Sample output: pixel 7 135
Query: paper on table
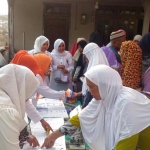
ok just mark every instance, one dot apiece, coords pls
pixel 40 134
pixel 51 108
pixel 45 102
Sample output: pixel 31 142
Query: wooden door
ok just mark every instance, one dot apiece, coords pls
pixel 105 28
pixel 128 25
pixel 113 18
pixel 56 23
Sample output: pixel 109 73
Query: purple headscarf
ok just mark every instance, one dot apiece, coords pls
pixel 110 57
pixel 146 81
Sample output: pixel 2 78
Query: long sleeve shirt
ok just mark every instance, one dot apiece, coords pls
pixel 47 92
pixel 32 112
pixel 67 61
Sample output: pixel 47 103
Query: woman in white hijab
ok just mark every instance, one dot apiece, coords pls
pixel 62 65
pixel 137 38
pixel 17 85
pixel 94 55
pixel 40 46
pixel 117 118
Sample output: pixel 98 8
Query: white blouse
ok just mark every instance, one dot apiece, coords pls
pixel 67 61
pixel 32 112
pixel 32 52
pixel 47 92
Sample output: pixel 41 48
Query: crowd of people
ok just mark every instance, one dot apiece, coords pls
pixel 111 82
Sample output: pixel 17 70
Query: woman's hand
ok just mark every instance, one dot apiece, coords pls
pixel 74 80
pixel 64 71
pixel 77 94
pixel 46 126
pixel 50 140
pixel 33 141
pixel 61 67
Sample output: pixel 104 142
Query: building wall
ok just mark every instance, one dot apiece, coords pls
pixel 28 21
pixel 77 29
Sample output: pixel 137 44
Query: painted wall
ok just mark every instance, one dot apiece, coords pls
pixel 28 19
pixel 77 29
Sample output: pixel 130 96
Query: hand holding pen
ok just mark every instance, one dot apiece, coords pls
pixel 46 126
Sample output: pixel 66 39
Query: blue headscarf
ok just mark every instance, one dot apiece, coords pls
pixel 145 46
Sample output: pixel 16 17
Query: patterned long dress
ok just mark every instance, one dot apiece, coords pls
pixel 131 71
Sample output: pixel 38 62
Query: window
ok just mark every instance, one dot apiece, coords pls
pixel 3 23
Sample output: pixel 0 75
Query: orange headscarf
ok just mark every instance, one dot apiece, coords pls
pixel 24 59
pixel 43 60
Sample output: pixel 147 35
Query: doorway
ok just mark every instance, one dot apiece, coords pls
pixel 113 18
pixel 56 23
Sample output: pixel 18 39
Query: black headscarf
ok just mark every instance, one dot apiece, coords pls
pixel 145 46
pixel 82 43
pixel 96 38
pixel 81 62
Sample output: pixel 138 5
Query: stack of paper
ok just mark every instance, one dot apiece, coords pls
pixel 51 108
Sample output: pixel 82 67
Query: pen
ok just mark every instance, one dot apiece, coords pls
pixel 47 131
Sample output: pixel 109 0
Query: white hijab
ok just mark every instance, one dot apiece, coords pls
pixel 17 84
pixel 56 45
pixel 96 56
pixel 39 43
pixel 137 38
pixel 121 112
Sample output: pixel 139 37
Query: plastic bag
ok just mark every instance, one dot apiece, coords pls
pixel 61 78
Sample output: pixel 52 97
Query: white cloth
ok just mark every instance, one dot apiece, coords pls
pixel 96 56
pixel 47 92
pixel 76 55
pixel 16 87
pixel 17 84
pixel 137 38
pixel 77 71
pixel 32 52
pixel 108 45
pixel 121 112
pixel 65 59
pixel 80 39
pixel 9 129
